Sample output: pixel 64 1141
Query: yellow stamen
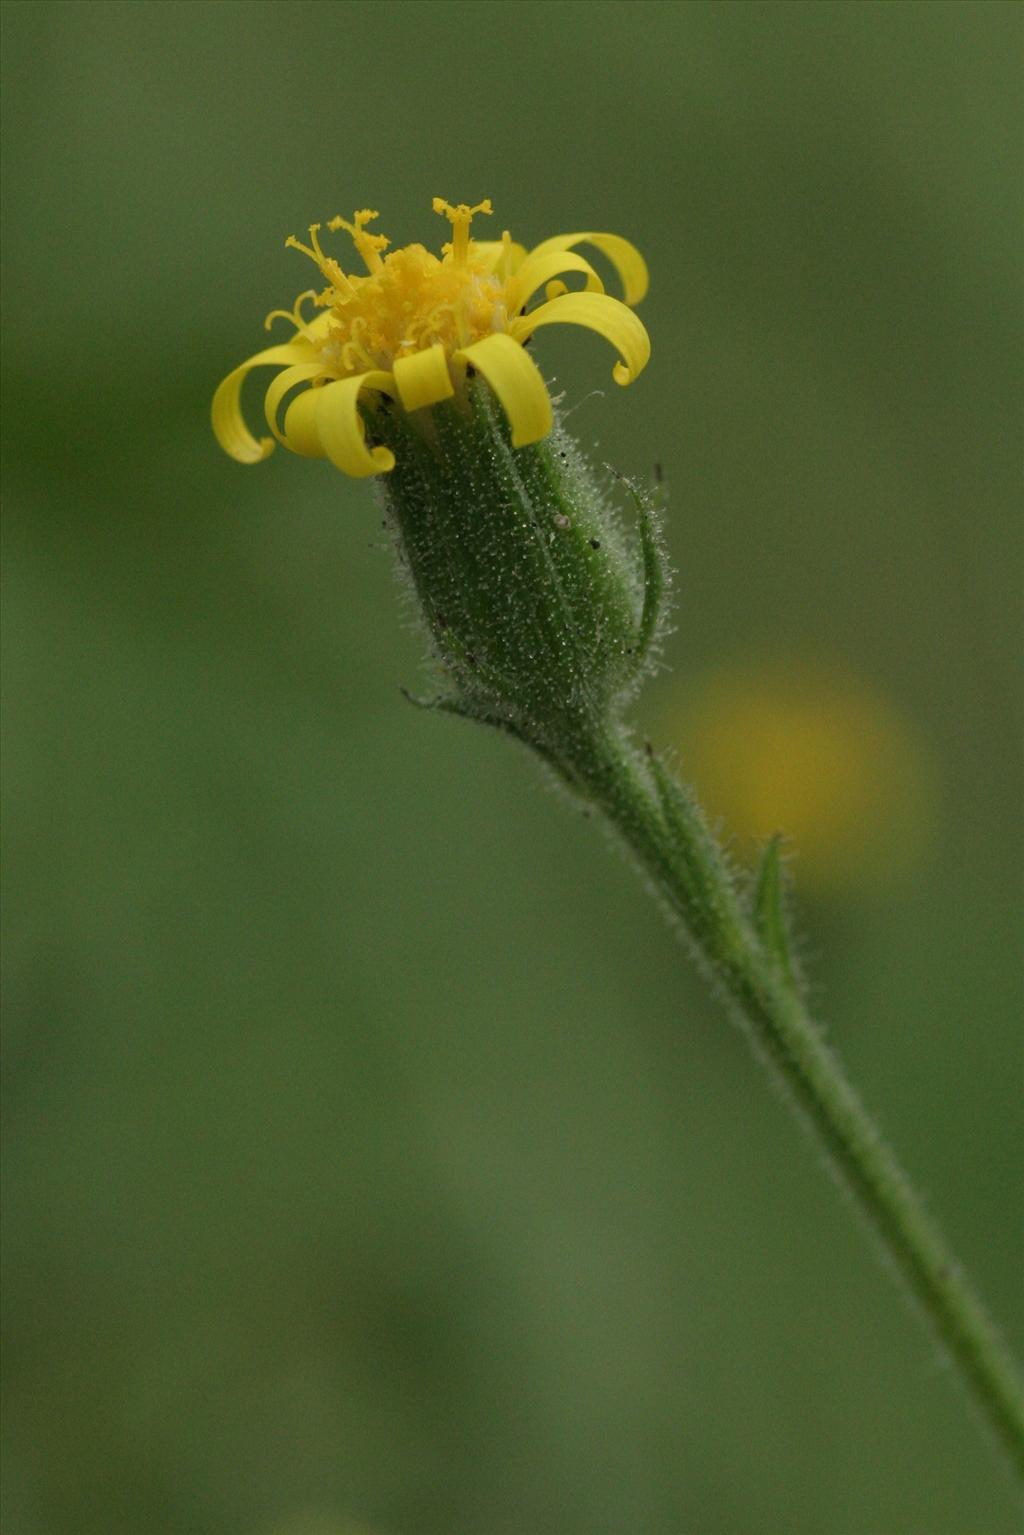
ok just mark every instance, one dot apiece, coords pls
pixel 294 315
pixel 505 264
pixel 460 218
pixel 329 267
pixel 369 246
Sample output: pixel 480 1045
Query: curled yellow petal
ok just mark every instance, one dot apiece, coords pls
pixel 536 271
pixel 596 311
pixel 229 428
pixel 285 380
pixel 423 378
pixel 300 428
pixel 516 380
pixel 624 257
pixel 340 426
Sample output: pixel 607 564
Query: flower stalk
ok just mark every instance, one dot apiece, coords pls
pixel 746 953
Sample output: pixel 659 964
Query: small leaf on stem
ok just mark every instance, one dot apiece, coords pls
pixel 770 917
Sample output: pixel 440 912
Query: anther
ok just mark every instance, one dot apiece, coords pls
pixel 460 218
pixel 369 246
pixel 330 268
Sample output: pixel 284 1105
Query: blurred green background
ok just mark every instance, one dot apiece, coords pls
pixel 373 1157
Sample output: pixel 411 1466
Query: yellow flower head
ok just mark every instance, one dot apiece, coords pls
pixel 411 326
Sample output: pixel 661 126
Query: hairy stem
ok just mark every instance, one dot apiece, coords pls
pixel 667 835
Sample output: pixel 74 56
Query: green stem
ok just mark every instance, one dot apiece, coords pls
pixel 665 831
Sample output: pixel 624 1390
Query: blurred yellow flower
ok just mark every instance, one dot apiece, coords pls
pixel 815 754
pixel 412 325
pixel 322 1524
